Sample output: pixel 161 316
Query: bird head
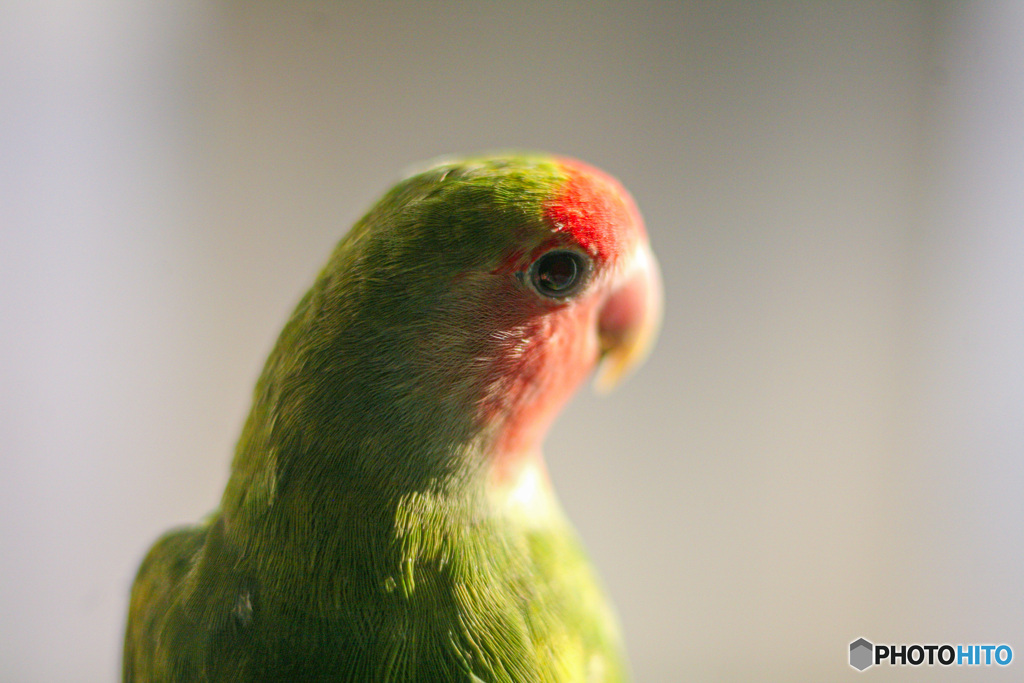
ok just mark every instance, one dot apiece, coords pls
pixel 550 278
pixel 453 322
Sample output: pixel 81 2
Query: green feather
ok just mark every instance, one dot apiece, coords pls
pixel 358 538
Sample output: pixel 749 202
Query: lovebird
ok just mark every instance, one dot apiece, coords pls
pixel 388 515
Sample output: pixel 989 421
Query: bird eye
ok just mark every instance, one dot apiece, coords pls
pixel 558 273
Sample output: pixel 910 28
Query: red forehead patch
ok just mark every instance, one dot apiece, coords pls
pixel 596 210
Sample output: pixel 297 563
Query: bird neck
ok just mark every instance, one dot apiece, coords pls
pixel 370 396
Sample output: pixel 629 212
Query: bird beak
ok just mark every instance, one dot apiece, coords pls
pixel 629 320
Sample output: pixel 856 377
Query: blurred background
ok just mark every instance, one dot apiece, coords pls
pixel 827 442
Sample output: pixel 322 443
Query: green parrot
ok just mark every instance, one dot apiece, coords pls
pixel 388 515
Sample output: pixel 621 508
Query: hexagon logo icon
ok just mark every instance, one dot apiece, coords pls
pixel 861 652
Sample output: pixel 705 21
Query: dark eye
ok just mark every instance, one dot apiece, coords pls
pixel 558 273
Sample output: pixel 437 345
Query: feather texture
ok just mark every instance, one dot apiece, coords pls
pixel 388 517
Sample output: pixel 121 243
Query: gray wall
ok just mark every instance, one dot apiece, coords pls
pixel 826 443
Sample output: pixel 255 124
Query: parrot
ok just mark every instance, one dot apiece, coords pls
pixel 388 515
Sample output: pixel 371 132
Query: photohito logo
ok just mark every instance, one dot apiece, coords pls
pixel 864 654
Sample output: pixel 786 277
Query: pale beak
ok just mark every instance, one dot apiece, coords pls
pixel 629 320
